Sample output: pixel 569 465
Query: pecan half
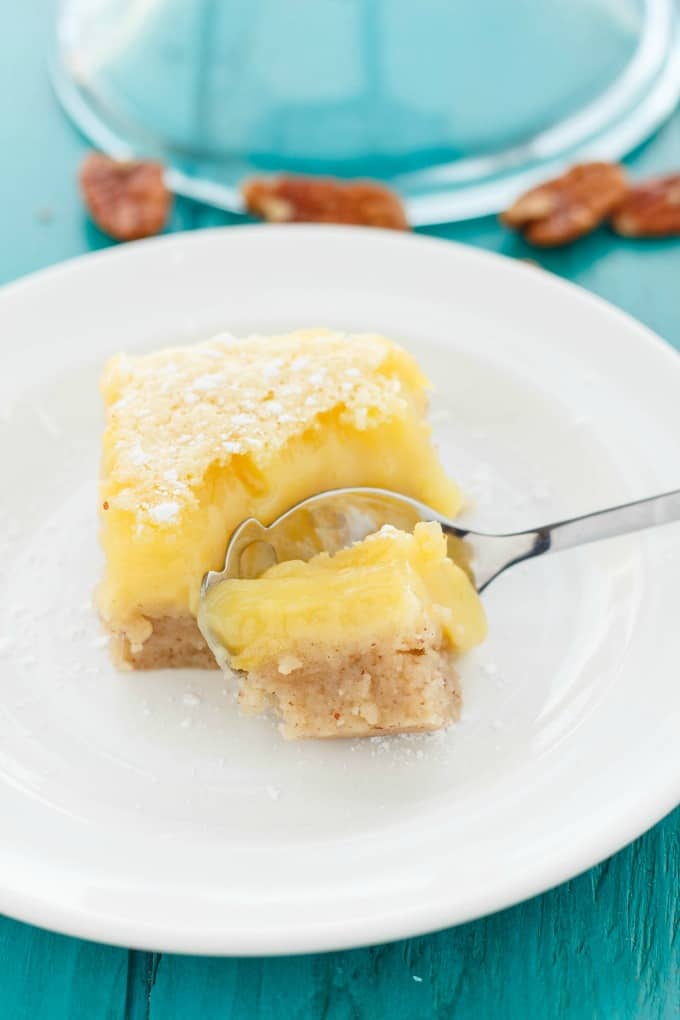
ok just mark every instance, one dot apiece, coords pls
pixel 293 199
pixel 569 206
pixel 126 200
pixel 650 209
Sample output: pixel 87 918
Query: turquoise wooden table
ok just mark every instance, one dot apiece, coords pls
pixel 606 945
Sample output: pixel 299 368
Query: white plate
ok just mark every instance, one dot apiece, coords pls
pixel 140 809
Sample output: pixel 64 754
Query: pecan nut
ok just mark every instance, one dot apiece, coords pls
pixel 569 206
pixel 297 199
pixel 127 200
pixel 650 209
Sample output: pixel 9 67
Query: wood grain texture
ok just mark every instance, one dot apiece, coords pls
pixel 44 976
pixel 604 946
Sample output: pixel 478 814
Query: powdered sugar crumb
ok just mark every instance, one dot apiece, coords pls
pixel 164 513
pixel 207 382
pixel 273 792
pixel 403 748
pixel 271 370
pixel 242 419
pixel 137 455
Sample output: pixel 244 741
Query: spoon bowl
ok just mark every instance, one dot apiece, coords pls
pixel 331 520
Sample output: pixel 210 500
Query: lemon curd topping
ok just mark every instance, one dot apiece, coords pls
pixel 367 636
pixel 384 584
pixel 199 438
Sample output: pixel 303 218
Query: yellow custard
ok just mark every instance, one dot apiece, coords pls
pixel 357 643
pixel 198 438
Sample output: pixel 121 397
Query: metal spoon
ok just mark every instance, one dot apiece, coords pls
pixel 332 520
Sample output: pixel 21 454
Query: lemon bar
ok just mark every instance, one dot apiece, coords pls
pixel 198 438
pixel 356 644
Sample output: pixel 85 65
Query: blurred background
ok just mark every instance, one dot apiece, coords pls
pixel 458 105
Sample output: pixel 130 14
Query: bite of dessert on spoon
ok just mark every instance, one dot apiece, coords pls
pixel 345 616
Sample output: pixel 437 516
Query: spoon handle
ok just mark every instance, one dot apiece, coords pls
pixel 619 520
pixel 495 553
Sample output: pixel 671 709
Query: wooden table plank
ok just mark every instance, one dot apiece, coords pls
pixel 45 976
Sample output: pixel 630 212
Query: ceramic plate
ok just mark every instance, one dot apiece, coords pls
pixel 140 809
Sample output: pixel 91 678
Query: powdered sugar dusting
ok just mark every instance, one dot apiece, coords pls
pixel 174 414
pixel 137 455
pixel 239 420
pixel 205 383
pixel 404 748
pixel 164 513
